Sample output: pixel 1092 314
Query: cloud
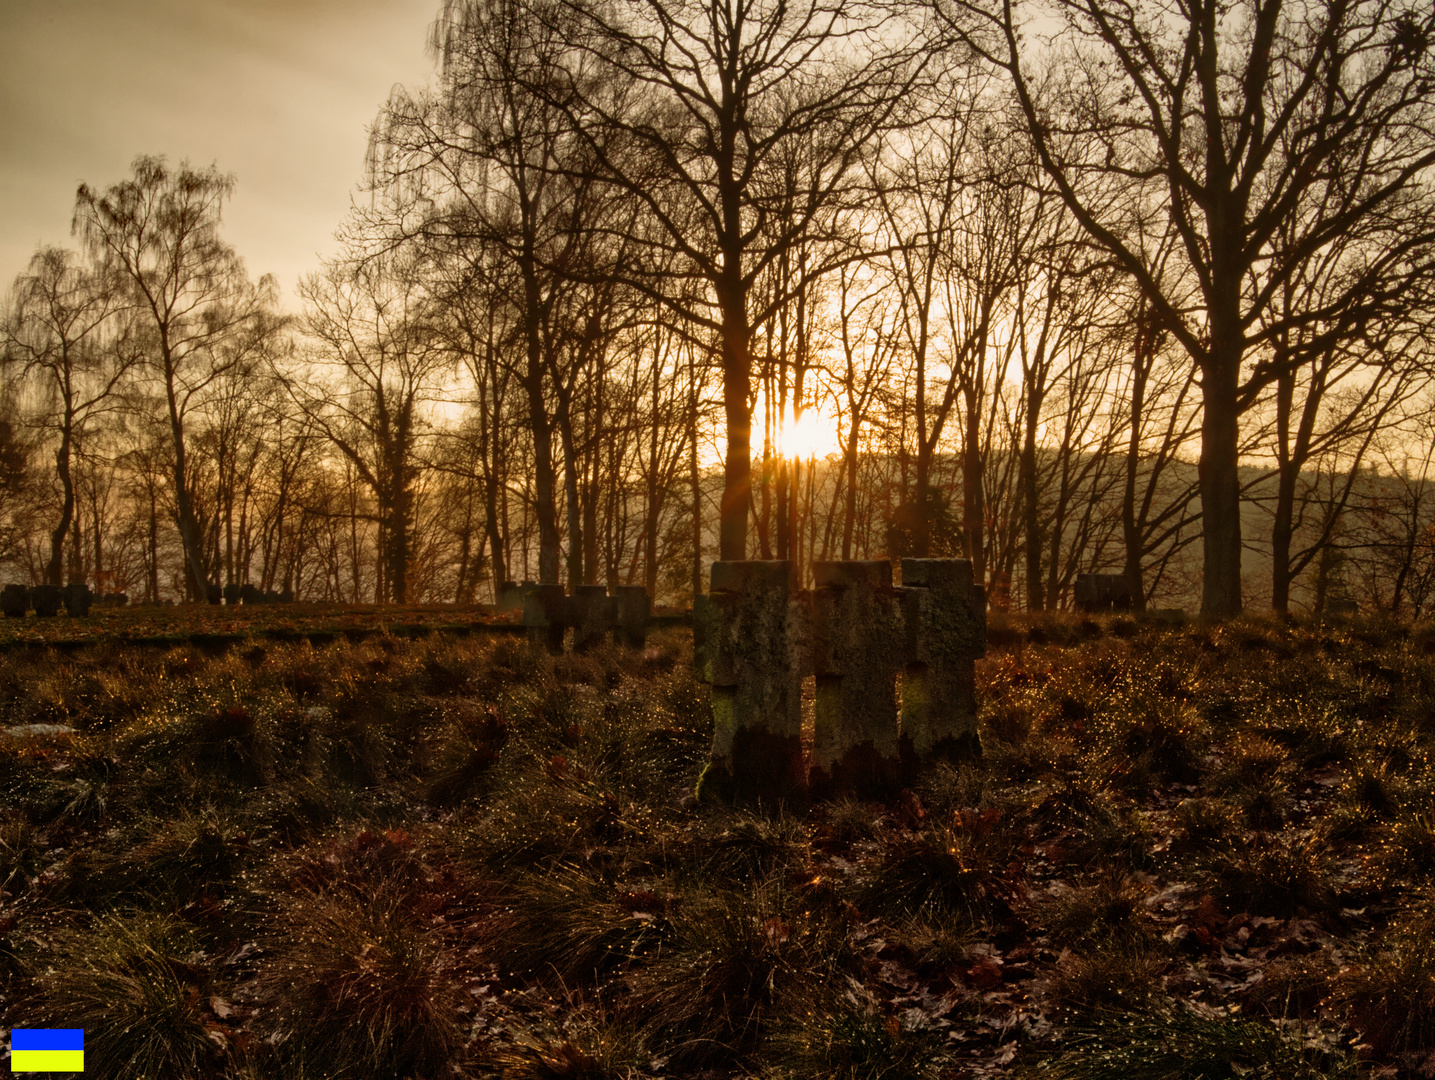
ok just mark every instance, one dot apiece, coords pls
pixel 277 92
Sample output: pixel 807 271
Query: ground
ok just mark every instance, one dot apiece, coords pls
pixel 308 844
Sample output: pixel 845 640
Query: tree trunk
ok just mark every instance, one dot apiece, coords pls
pixel 849 510
pixel 188 525
pixel 1035 595
pixel 153 583
pixel 590 532
pixel 574 511
pixel 974 506
pixel 736 384
pixel 592 485
pixel 1287 471
pixel 545 480
pixel 54 572
pixel 1220 483
pixel 1130 527
pixel 495 538
pixel 694 477
pixel 102 581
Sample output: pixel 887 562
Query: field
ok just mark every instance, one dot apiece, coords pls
pixel 285 850
pixel 214 627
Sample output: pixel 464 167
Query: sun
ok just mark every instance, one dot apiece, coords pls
pixel 814 434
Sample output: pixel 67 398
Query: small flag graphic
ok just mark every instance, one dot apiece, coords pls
pixel 47 1050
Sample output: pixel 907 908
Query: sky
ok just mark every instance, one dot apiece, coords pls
pixel 279 93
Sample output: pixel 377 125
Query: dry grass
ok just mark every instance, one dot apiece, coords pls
pixel 458 858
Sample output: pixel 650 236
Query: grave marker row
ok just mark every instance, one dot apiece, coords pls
pixel 16 600
pixel 591 613
pixel 894 669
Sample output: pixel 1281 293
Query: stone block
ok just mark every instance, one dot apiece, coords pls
pixel 938 573
pixel 232 593
pixel 857 650
pixel 709 663
pixel 871 572
pixel 1102 592
pixel 46 599
pixel 750 654
pixel 939 714
pixel 213 593
pixel 512 594
pixel 78 599
pixel 545 611
pixel 634 607
pixel 14 601
pixel 756 576
pixel 944 613
pixel 592 614
pixel 944 625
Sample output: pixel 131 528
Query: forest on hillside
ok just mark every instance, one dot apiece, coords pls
pixel 1142 288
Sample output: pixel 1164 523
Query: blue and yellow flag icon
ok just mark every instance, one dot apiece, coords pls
pixel 47 1050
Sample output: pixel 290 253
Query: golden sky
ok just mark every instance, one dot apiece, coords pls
pixel 278 92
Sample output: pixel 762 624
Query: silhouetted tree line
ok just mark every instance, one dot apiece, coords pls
pixel 1059 286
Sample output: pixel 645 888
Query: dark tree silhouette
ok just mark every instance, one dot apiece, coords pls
pixel 55 334
pixel 159 232
pixel 718 99
pixel 1265 131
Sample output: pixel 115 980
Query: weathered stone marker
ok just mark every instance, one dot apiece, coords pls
pixel 754 640
pixel 591 613
pixel 545 611
pixel 78 599
pixel 945 623
pixel 512 595
pixel 857 654
pixel 634 607
pixel 46 599
pixel 745 646
pixel 14 601
pixel 1102 592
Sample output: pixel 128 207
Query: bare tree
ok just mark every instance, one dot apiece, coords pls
pixel 1396 515
pixel 61 332
pixel 715 96
pixel 868 350
pixel 920 199
pixel 1338 381
pixel 490 167
pixel 469 289
pixel 367 319
pixel 159 230
pixel 1264 131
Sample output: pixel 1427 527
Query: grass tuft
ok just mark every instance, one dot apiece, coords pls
pixel 1390 997
pixel 363 985
pixel 583 1047
pixel 1281 878
pixel 1179 1043
pixel 945 870
pixel 577 925
pixel 1107 973
pixel 1111 909
pixel 850 1037
pixel 739 961
pixel 138 985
